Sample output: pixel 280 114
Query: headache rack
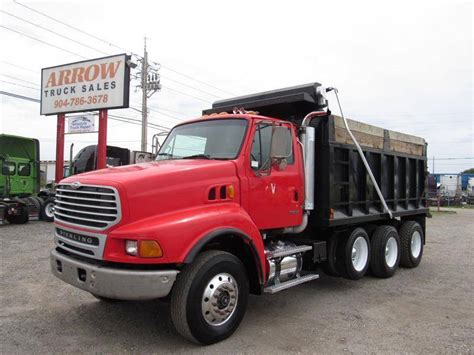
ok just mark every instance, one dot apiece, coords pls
pixel 88 206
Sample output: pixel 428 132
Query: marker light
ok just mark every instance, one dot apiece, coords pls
pixel 131 247
pixel 150 249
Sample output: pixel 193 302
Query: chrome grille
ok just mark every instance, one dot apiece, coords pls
pixel 94 207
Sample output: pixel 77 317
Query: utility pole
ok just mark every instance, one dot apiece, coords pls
pixel 144 98
pixel 150 83
pixel 433 164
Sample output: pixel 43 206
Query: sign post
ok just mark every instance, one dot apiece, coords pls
pixel 97 84
pixel 102 143
pixel 60 147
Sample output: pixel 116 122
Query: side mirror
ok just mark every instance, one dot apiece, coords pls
pixel 281 146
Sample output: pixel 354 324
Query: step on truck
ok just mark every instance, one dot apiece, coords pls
pixel 260 194
pixel 20 195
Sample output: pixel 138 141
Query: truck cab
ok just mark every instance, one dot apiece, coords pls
pixel 224 211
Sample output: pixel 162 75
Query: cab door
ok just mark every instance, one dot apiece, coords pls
pixel 275 193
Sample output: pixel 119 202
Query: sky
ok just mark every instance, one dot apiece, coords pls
pixel 401 65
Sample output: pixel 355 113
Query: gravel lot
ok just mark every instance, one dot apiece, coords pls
pixel 429 309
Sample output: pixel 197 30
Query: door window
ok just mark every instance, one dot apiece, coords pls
pixel 24 169
pixel 8 168
pixel 260 154
pixel 261 146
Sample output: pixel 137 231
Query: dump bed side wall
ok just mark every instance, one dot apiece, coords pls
pixel 344 192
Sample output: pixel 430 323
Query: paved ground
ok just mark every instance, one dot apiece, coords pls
pixel 425 310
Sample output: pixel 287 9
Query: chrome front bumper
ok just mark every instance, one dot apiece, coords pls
pixel 113 283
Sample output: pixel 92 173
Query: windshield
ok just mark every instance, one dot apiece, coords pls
pixel 210 139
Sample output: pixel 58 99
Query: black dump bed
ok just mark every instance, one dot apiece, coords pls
pixel 344 192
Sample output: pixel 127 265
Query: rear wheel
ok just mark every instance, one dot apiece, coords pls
pixel 354 255
pixel 411 244
pixel 21 217
pixel 210 297
pixel 385 254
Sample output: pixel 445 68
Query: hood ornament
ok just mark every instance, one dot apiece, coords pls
pixel 75 185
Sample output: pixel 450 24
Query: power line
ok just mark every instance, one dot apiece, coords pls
pixel 199 81
pixel 72 27
pixel 183 93
pixel 116 46
pixel 172 111
pixel 164 113
pixel 112 117
pixel 20 67
pixel 39 40
pixel 191 87
pixel 434 158
pixel 27 98
pixel 15 78
pixel 21 85
pixel 54 32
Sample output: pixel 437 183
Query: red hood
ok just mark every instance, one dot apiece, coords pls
pixel 163 186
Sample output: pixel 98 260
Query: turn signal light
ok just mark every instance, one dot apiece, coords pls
pixel 230 191
pixel 149 249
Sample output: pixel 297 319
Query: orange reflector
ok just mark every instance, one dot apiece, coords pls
pixel 230 191
pixel 149 249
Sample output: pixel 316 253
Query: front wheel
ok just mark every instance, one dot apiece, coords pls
pixel 210 296
pixel 47 210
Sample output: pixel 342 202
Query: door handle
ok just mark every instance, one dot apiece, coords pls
pixel 294 195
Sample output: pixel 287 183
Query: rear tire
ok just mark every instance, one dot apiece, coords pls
pixel 411 244
pixel 385 254
pixel 354 255
pixel 209 298
pixel 21 218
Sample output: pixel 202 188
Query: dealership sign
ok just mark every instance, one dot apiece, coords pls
pixel 97 84
pixel 81 124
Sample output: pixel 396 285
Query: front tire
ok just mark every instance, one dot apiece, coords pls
pixel 411 241
pixel 47 210
pixel 209 298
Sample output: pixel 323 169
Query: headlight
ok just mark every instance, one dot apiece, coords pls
pixel 143 248
pixel 131 247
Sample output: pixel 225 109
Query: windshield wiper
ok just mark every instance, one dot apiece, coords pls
pixel 199 156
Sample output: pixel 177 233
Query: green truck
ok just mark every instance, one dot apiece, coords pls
pixel 20 195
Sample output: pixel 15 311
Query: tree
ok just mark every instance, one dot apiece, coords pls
pixel 468 171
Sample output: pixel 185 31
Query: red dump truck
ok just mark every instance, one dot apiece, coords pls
pixel 260 194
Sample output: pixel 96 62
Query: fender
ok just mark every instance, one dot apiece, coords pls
pixel 200 244
pixel 182 233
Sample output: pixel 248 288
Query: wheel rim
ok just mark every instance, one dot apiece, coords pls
pixel 360 253
pixel 219 299
pixel 49 210
pixel 416 244
pixel 391 252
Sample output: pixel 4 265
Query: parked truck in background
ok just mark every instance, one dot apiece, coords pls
pixel 86 159
pixel 258 195
pixel 20 195
pixel 470 190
